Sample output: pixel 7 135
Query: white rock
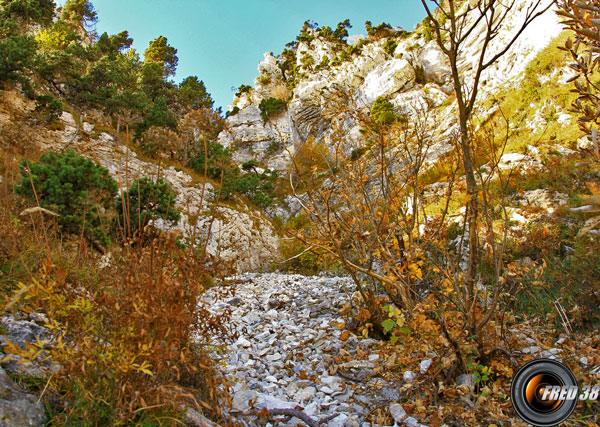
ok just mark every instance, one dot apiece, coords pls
pixel 88 127
pixel 311 409
pixel 411 422
pixel 244 399
pixel 531 349
pixel 397 412
pixel 243 342
pixel 271 402
pixel 424 365
pixel 388 78
pixel 409 376
pixel 270 388
pixel 335 383
pixel 339 421
pixel 274 357
pixel 305 394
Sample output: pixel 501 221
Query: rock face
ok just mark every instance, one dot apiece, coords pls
pixel 242 236
pixel 416 72
pixel 18 409
pixel 19 333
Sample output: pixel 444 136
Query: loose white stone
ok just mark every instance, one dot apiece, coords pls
pixel 305 394
pixel 397 412
pixel 339 421
pixel 243 342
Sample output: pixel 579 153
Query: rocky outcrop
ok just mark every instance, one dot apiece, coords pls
pixel 17 408
pixel 243 237
pixel 417 72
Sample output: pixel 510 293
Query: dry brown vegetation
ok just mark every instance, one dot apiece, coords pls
pixel 130 338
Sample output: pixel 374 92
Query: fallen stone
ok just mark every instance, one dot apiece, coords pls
pixel 397 412
pixel 244 399
pixel 424 365
pixel 18 409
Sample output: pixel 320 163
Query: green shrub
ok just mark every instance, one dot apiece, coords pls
pixel 420 76
pixel 243 89
pixel 324 64
pixel 250 165
pixel 307 61
pixel 48 108
pixel 382 30
pixel 357 153
pixel 17 51
pixel 75 187
pixel 257 187
pixel 274 146
pixel 146 200
pixel 264 79
pixel 390 47
pixel 382 111
pixel 270 107
pixel 219 159
pixel 233 111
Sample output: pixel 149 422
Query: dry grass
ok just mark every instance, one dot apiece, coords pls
pixel 131 338
pixel 281 91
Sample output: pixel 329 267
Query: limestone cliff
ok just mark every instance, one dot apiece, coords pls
pixel 415 72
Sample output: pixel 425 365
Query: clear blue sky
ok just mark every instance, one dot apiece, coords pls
pixel 222 41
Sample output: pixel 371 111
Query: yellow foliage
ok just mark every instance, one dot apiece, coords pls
pixel 312 158
pixel 131 341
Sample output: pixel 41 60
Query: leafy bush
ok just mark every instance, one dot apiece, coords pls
pixel 312 157
pixel 75 187
pixel 274 146
pixel 382 112
pixel 146 200
pixel 420 76
pixel 264 79
pixel 219 159
pixel 270 107
pixel 307 61
pixel 130 349
pixel 324 64
pixel 233 111
pixel 243 89
pixel 257 187
pixel 390 47
pixel 48 108
pixel 16 56
pixel 382 30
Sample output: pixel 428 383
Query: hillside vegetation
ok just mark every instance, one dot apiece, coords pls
pixel 462 213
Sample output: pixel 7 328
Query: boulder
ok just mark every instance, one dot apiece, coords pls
pixel 388 78
pixel 17 408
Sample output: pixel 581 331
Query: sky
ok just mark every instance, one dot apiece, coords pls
pixel 221 42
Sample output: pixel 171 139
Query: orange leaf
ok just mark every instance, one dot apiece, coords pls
pixel 345 335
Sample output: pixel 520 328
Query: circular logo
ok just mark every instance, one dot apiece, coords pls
pixel 544 393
